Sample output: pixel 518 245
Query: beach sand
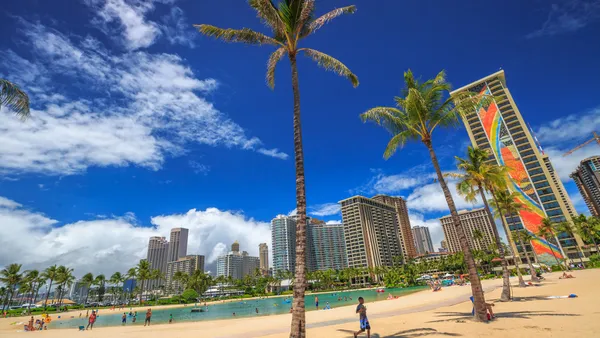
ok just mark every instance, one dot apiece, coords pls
pixel 445 313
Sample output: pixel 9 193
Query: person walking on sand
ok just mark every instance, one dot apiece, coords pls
pixel 317 302
pixel 148 317
pixel 91 320
pixel 363 320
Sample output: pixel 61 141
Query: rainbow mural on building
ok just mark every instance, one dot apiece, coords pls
pixel 507 154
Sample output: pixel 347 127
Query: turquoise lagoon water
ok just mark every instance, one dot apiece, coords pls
pixel 242 308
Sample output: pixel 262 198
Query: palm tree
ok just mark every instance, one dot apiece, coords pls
pixel 116 279
pixel 588 228
pixel 14 98
pixel 131 274
pixel 143 273
pixel 477 177
pixel 504 203
pixel 32 280
pixel 200 281
pixel 11 276
pixel 420 111
pixel 290 22
pixel 100 281
pixel 49 273
pixel 87 280
pixel 545 230
pixel 523 236
pixel 570 229
pixel 64 278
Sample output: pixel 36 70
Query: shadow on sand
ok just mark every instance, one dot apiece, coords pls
pixel 466 316
pixel 413 333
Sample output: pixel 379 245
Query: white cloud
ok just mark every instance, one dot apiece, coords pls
pixel 144 107
pixel 37 241
pixel 567 17
pixel 177 30
pixel 199 168
pixel 563 134
pixel 574 127
pixel 334 222
pixel 273 153
pixel 431 198
pixel 136 31
pixel 327 209
pixel 381 183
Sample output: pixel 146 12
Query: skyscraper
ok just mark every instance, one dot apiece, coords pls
pixel 235 247
pixel 422 240
pixel 329 246
pixel 187 265
pixel 178 244
pixel 443 246
pixel 283 240
pixel 236 264
pixel 407 242
pixel 587 179
pixel 470 220
pixel 263 255
pixel 499 128
pixel 158 250
pixel 371 232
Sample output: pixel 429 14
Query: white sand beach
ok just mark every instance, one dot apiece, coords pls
pixel 445 313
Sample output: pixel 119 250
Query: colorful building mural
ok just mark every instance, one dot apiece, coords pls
pixel 507 154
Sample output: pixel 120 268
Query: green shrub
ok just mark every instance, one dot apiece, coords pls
pixel 556 268
pixel 189 296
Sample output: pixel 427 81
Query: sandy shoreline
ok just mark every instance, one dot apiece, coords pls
pixel 414 315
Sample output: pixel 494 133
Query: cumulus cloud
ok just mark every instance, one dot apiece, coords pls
pixel 117 243
pixel 334 222
pixel 133 108
pixel 430 197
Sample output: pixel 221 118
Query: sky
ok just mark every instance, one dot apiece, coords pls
pixel 140 124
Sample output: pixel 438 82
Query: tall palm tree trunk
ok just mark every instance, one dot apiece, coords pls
pixel 48 294
pixel 298 326
pixel 531 269
pixel 478 298
pixel 505 296
pixel 553 254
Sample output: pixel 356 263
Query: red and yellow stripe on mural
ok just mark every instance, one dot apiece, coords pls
pixel 508 156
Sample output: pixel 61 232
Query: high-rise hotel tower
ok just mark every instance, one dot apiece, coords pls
pixel 500 129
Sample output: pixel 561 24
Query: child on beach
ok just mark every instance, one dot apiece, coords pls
pixel 170 318
pixel 364 321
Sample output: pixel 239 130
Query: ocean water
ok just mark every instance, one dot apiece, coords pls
pixel 216 311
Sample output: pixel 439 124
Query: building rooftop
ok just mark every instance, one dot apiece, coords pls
pixel 463 211
pixel 499 74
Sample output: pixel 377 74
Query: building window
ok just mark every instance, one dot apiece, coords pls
pixel 541 184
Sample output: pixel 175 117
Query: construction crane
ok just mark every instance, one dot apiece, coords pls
pixel 596 138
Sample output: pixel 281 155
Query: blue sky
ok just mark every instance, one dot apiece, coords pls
pixel 140 124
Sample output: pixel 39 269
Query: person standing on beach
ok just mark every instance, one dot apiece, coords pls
pixel 124 318
pixel 148 317
pixel 91 320
pixel 317 302
pixel 364 321
pixel 170 318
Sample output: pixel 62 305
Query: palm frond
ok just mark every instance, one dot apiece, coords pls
pixel 308 9
pixel 14 98
pixel 267 12
pixel 325 18
pixel 243 35
pixel 332 64
pixel 399 140
pixel 273 59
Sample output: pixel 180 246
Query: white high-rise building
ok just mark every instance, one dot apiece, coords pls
pixel 237 265
pixel 422 239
